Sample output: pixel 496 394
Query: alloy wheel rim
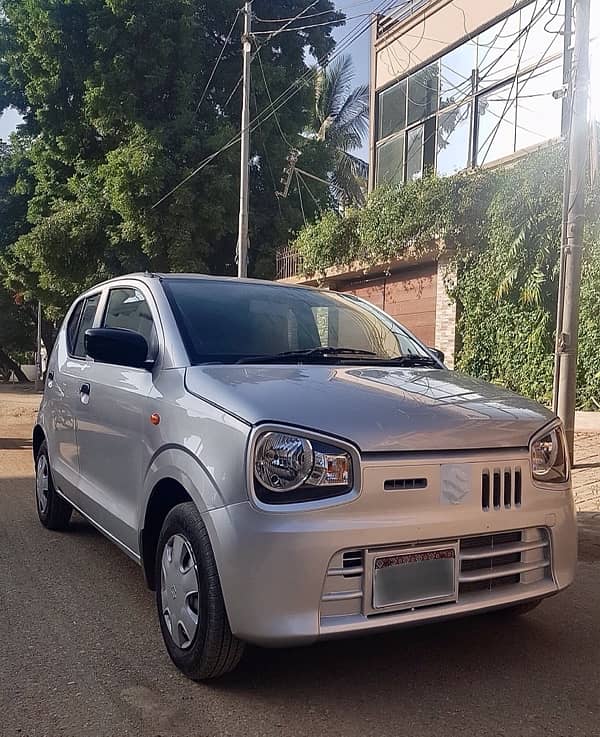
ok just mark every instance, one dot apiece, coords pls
pixel 179 591
pixel 42 483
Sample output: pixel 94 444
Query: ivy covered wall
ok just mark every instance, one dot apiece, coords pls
pixel 502 228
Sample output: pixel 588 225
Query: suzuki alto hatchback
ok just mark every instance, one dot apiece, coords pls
pixel 288 464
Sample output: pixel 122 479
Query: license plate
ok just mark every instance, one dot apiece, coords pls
pixel 413 578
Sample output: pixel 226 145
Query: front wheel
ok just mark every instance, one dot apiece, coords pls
pixel 54 511
pixel 189 600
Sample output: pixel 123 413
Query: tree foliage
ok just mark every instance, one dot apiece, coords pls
pixel 502 228
pixel 340 119
pixel 110 93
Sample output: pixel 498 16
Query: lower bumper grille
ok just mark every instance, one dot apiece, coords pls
pixel 486 563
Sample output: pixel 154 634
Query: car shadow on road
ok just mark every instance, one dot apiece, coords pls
pixel 369 661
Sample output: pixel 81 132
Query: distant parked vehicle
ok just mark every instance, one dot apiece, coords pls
pixel 288 464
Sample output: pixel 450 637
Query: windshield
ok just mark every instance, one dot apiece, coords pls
pixel 228 322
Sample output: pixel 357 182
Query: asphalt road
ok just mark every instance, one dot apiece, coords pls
pixel 81 654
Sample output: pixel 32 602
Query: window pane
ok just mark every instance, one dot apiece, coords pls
pixel 498 51
pixel 127 309
pixel 392 110
pixel 455 75
pixel 423 93
pixel 414 154
pixel 454 128
pixel 87 321
pixel 539 115
pixel 496 137
pixel 72 326
pixel 543 39
pixel 390 161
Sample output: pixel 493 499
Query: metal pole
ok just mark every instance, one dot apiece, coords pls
pixel 38 350
pixel 574 218
pixel 242 249
pixel 565 128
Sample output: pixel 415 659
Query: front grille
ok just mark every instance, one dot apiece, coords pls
pixel 501 488
pixel 486 563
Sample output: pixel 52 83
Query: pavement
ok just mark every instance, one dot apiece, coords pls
pixel 81 653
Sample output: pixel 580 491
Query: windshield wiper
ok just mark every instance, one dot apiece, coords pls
pixel 412 359
pixel 308 355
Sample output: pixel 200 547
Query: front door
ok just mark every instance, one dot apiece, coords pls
pixel 112 423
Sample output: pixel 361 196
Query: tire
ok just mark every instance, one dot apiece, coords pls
pixel 211 650
pixel 54 512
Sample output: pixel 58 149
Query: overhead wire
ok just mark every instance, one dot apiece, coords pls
pixel 216 65
pixel 518 82
pixel 470 96
pixel 279 102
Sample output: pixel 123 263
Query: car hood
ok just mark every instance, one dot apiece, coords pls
pixel 379 409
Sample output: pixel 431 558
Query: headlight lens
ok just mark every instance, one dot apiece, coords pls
pixel 549 457
pixel 289 468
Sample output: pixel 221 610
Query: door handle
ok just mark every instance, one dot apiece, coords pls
pixel 50 378
pixel 84 393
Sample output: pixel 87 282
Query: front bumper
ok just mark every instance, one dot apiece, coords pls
pixel 282 573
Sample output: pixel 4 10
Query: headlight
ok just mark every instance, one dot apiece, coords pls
pixel 549 457
pixel 290 468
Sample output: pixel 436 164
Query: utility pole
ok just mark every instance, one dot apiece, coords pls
pixel 242 246
pixel 574 217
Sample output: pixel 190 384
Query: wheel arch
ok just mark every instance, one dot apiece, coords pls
pixel 166 494
pixel 38 438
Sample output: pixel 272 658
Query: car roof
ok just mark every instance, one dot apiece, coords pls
pixel 149 277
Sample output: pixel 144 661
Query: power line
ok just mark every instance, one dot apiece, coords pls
pixel 300 196
pixel 492 136
pixel 225 44
pixel 268 91
pixel 315 15
pixel 306 28
pixel 271 110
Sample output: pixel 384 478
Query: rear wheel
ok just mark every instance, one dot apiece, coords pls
pixel 189 600
pixel 54 512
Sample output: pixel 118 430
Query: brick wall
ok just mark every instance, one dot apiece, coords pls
pixel 445 311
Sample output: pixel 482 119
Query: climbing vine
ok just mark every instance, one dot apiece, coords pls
pixel 502 229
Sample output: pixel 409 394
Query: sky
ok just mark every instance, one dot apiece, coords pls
pixel 356 11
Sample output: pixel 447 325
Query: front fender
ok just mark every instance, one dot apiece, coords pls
pixel 181 465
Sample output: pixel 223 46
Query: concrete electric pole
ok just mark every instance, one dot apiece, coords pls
pixel 574 218
pixel 242 247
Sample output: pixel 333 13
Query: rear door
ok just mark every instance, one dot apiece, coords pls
pixel 66 373
pixel 112 423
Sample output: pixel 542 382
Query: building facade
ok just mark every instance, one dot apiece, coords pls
pixel 454 85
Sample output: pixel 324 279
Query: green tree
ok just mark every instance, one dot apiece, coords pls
pixel 110 93
pixel 340 119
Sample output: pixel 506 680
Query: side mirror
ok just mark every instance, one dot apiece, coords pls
pixel 438 354
pixel 117 346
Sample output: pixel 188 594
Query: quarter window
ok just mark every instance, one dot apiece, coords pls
pixel 86 322
pixel 72 326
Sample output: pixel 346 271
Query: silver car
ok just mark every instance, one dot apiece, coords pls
pixel 288 464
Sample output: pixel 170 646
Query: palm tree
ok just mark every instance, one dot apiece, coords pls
pixel 340 120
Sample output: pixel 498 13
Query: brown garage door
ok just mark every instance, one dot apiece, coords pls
pixel 408 296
